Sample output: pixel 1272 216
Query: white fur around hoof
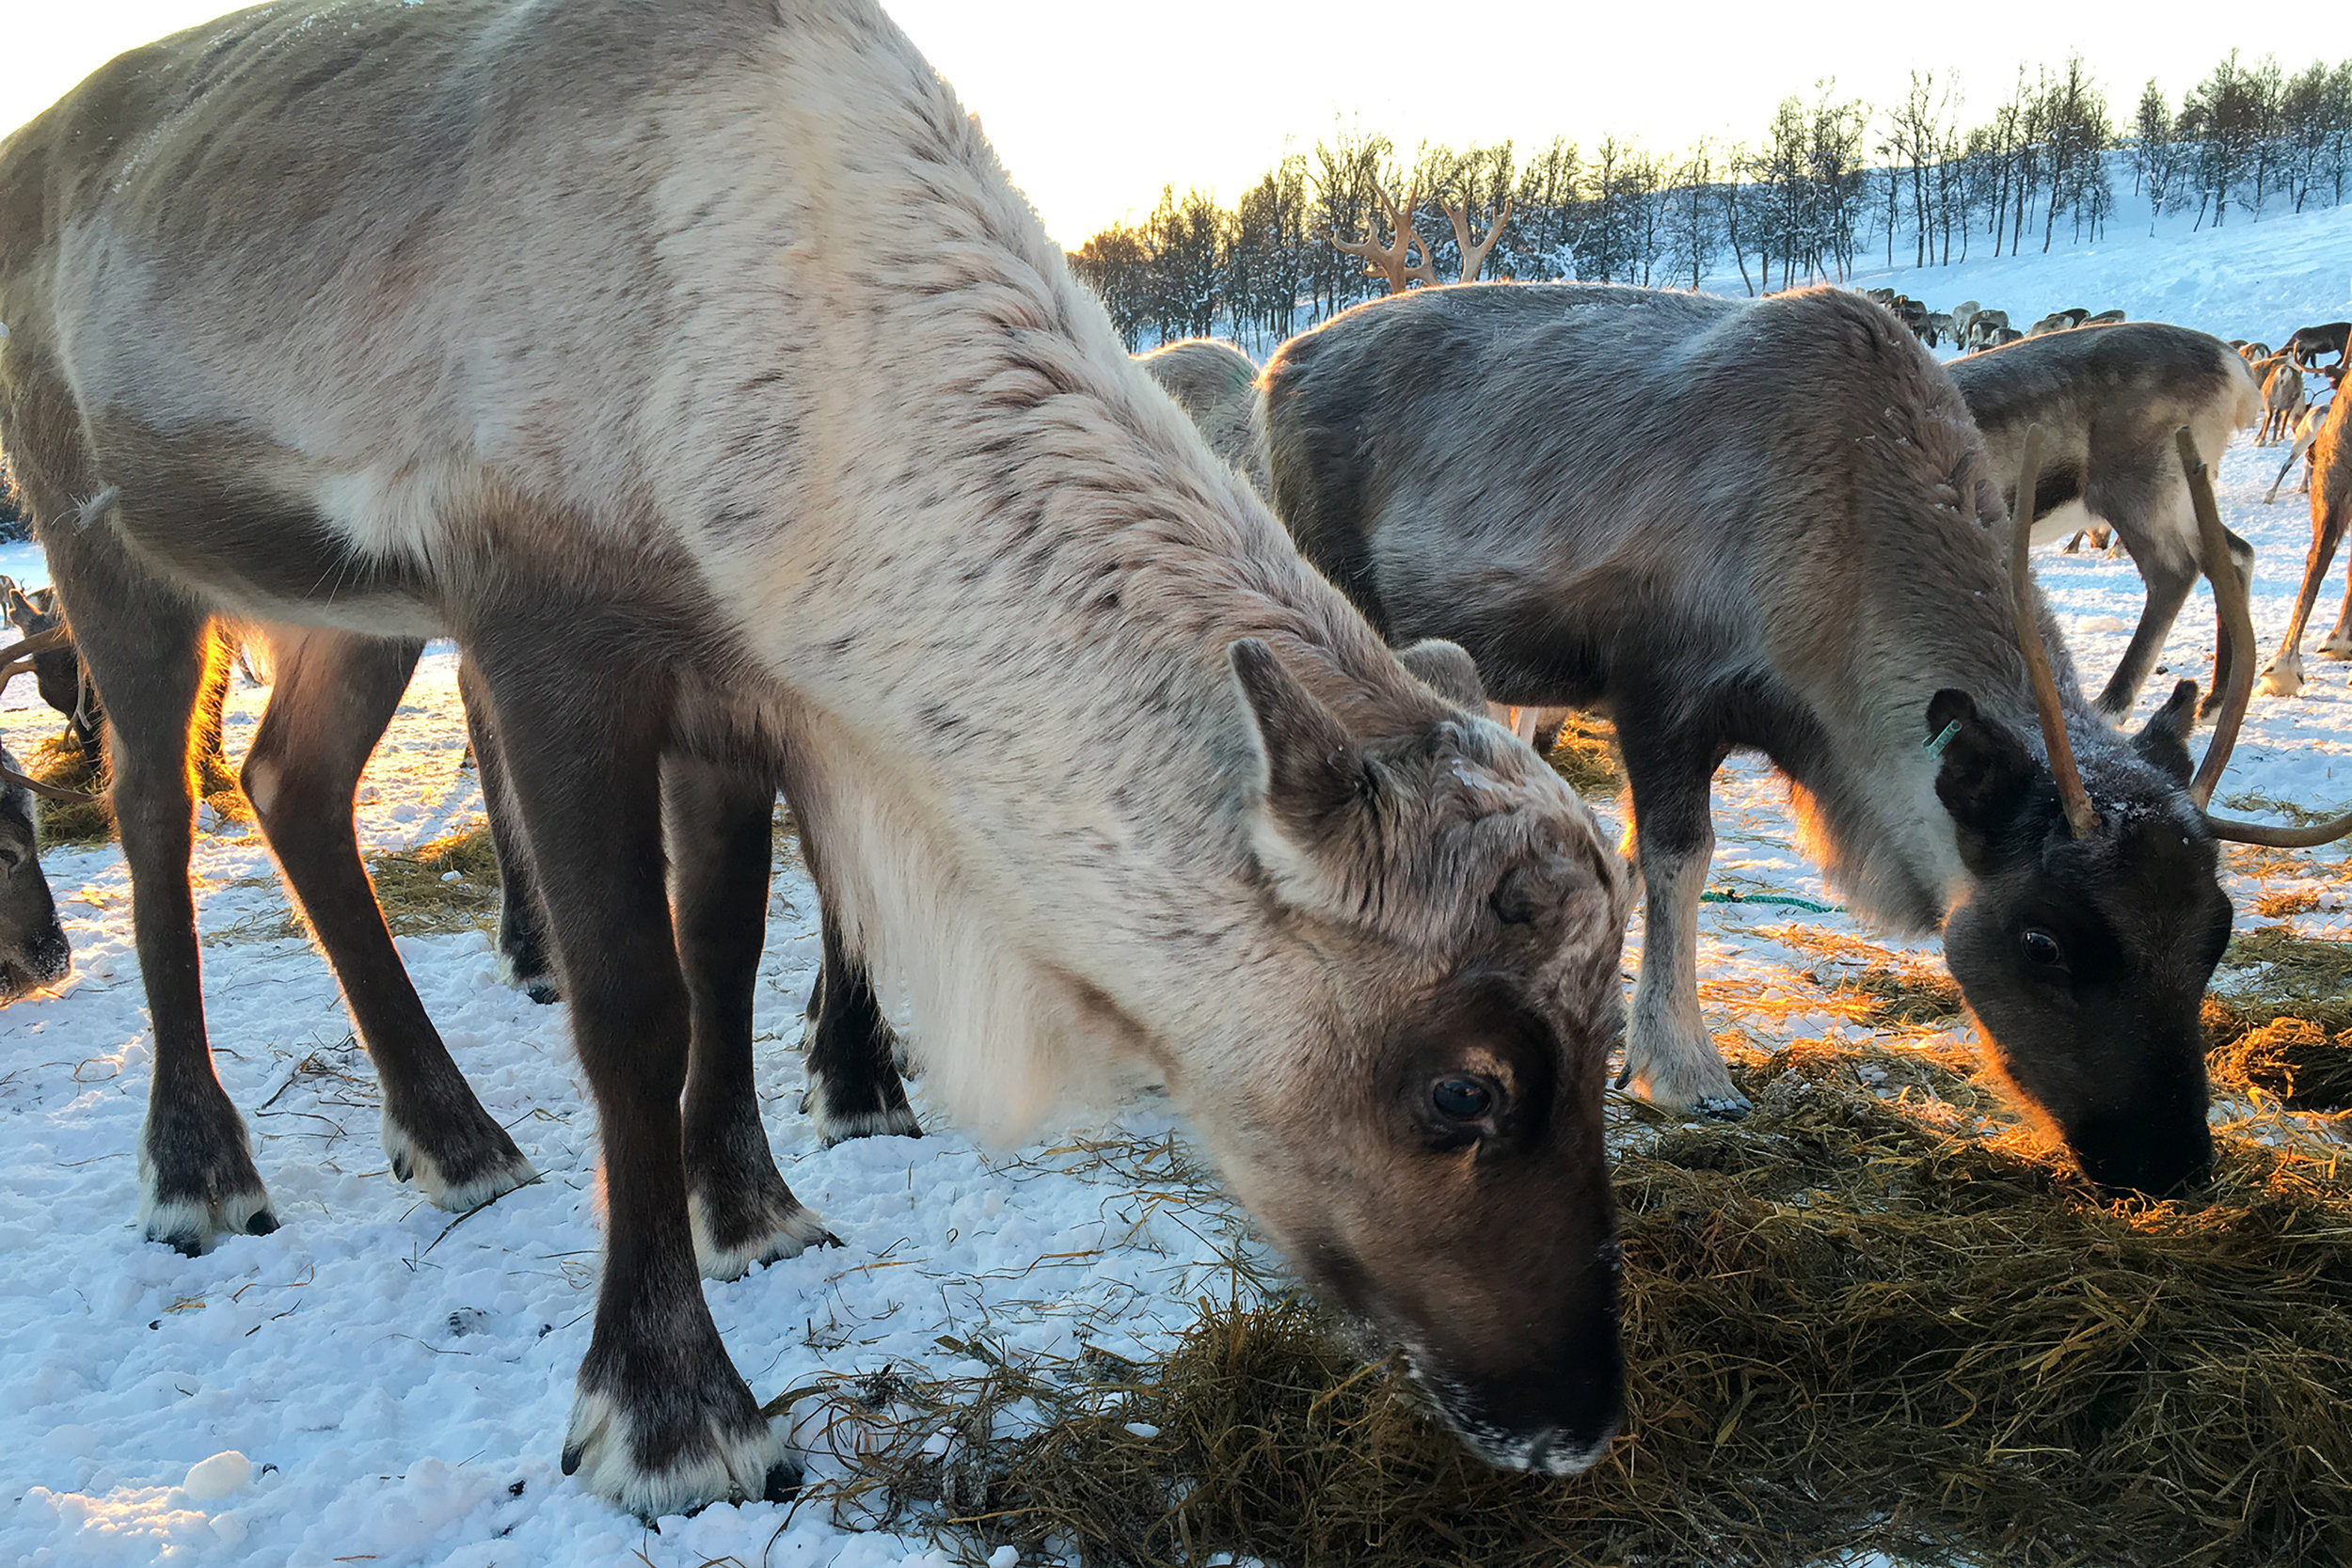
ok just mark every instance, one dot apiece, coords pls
pixel 196 1227
pixel 745 1467
pixel 1692 1081
pixel 2281 679
pixel 791 1231
pixel 897 1122
pixel 412 1164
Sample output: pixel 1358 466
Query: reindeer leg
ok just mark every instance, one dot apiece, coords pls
pixel 851 1052
pixel 333 696
pixel 2169 585
pixel 523 962
pixel 2283 675
pixel 719 827
pixel 662 1423
pixel 1669 1058
pixel 147 646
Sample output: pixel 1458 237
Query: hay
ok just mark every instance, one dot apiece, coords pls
pixel 1846 1332
pixel 58 761
pixel 1586 756
pixel 2279 1020
pixel 450 884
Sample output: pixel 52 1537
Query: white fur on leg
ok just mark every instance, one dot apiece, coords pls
pixel 2282 676
pixel 1669 1059
pixel 597 1449
pixel 412 1164
pixel 832 1127
pixel 791 1231
pixel 2337 644
pixel 193 1224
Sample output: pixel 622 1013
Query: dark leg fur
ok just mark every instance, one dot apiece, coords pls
pixel 720 832
pixel 148 648
pixel 333 696
pixel 854 1090
pixel 522 947
pixel 663 1421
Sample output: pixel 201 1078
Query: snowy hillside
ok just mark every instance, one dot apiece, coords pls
pixel 396 1379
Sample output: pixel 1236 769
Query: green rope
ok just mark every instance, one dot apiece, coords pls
pixel 1795 903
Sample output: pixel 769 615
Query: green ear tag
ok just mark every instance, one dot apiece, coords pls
pixel 1943 737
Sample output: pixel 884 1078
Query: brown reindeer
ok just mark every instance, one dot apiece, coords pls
pixel 33 947
pixel 2331 512
pixel 1831 579
pixel 2107 400
pixel 669 448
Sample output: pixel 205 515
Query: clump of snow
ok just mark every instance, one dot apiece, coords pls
pixel 224 1475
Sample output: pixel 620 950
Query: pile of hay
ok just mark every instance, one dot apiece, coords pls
pixel 1845 1330
pixel 2280 1018
pixel 1586 756
pixel 449 884
pixel 58 761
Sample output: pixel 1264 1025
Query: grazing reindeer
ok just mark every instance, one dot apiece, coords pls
pixel 1822 580
pixel 1216 385
pixel 667 448
pixel 2331 512
pixel 2107 400
pixel 33 948
pixel 64 684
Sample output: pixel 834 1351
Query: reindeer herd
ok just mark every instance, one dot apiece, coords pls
pixel 702 374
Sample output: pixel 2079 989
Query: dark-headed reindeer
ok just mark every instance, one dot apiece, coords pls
pixel 1824 579
pixel 2107 400
pixel 33 947
pixel 664 378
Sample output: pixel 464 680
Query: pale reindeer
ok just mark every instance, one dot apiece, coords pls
pixel 2283 398
pixel 1831 579
pixel 665 379
pixel 2306 431
pixel 2331 512
pixel 2107 400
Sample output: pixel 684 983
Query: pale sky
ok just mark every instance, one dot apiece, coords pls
pixel 1094 105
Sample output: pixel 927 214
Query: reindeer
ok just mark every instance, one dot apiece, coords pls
pixel 33 947
pixel 1216 385
pixel 2332 511
pixel 64 684
pixel 2306 431
pixel 2107 400
pixel 2310 342
pixel 1822 580
pixel 2283 399
pixel 667 448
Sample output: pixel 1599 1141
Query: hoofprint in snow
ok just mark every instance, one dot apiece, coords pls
pixel 396 1378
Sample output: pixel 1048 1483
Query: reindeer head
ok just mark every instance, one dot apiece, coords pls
pixel 57 671
pixel 1429 1153
pixel 2095 915
pixel 33 950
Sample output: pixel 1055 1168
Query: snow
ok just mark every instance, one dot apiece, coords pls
pixel 382 1381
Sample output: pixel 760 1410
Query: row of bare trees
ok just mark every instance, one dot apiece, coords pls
pixel 1829 185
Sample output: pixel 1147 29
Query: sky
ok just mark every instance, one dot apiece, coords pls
pixel 1095 104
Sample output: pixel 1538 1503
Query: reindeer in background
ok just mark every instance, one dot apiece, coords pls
pixel 1392 264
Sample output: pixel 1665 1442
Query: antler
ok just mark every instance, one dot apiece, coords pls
pixel 1389 260
pixel 2238 629
pixel 18 661
pixel 1474 252
pixel 2081 815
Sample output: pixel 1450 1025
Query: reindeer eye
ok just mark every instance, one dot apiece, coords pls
pixel 2042 949
pixel 1460 1097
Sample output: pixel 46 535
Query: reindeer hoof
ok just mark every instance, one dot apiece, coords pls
pixel 470 1160
pixel 196 1178
pixel 693 1437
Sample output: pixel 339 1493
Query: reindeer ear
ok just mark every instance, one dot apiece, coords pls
pixel 1314 796
pixel 1986 777
pixel 20 607
pixel 2163 741
pixel 1446 669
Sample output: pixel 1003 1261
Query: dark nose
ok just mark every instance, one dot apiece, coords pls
pixel 2162 1166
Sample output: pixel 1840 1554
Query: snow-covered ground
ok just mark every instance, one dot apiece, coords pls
pixel 397 1380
